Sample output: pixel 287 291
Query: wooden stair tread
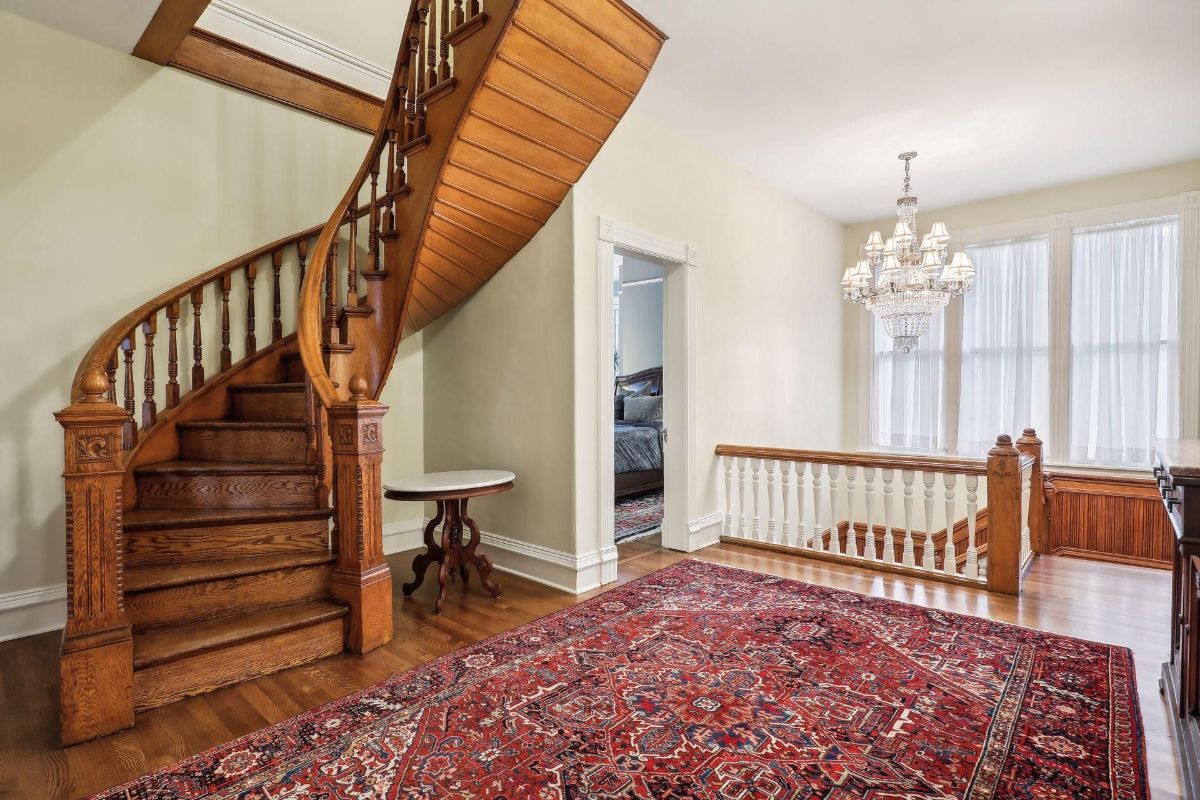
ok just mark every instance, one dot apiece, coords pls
pixel 197 467
pixel 268 387
pixel 243 424
pixel 140 579
pixel 144 519
pixel 172 644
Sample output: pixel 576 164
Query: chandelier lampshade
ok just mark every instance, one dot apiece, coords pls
pixel 903 282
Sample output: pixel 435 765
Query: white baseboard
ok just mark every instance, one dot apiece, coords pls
pixel 31 611
pixel 401 536
pixel 704 531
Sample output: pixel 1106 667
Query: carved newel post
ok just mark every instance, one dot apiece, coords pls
pixel 96 662
pixel 1004 517
pixel 362 579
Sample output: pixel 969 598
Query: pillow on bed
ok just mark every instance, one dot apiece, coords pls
pixel 619 407
pixel 643 409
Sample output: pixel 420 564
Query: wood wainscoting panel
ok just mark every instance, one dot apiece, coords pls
pixel 1108 518
pixel 228 62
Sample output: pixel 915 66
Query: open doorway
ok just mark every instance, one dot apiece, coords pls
pixel 639 421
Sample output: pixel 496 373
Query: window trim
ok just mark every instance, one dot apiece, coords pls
pixel 1058 229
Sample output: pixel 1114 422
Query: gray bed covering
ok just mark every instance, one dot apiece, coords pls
pixel 637 446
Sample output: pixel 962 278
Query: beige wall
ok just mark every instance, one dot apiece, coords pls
pixel 1099 193
pixel 498 388
pixel 768 350
pixel 120 179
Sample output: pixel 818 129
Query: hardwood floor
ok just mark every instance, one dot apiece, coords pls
pixel 1092 600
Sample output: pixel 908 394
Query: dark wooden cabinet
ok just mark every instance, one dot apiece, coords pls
pixel 1177 471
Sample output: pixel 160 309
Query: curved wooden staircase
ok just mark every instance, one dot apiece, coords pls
pixel 199 544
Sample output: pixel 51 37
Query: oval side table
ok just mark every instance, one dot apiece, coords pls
pixel 451 491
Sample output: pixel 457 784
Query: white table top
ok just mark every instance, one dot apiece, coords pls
pixel 449 481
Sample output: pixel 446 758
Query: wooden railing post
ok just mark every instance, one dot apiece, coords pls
pixel 1039 508
pixel 96 664
pixel 1004 517
pixel 362 579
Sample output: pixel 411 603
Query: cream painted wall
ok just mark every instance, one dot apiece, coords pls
pixel 1099 193
pixel 120 179
pixel 768 354
pixel 498 389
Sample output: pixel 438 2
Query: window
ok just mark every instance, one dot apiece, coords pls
pixel 1099 386
pixel 1124 340
pixel 1005 372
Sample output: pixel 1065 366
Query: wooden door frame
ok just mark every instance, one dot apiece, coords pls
pixel 679 261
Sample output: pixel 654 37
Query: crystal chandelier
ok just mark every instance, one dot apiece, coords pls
pixel 911 282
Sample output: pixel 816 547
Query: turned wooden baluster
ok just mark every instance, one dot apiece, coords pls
pixel 352 259
pixel 416 110
pixel 111 372
pixel 818 530
pixel 755 469
pixel 129 438
pixel 728 529
pixel 851 531
pixel 949 552
pixel 409 123
pixel 889 511
pixel 197 341
pixel 869 542
pixel 801 527
pixel 149 407
pixel 835 545
pixel 302 255
pixel 971 568
pixel 459 17
pixel 331 291
pixel 429 34
pixel 444 6
pixel 276 298
pixel 743 531
pixel 251 339
pixel 786 469
pixel 173 354
pixel 226 354
pixel 473 9
pixel 910 557
pixel 373 224
pixel 928 560
pixel 772 532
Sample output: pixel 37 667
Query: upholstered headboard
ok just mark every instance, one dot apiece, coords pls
pixel 647 382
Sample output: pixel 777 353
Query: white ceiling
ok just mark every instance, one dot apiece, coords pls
pixel 115 23
pixel 819 96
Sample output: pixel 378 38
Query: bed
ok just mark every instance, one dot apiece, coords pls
pixel 637 443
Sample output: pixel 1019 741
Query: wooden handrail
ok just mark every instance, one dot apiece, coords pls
pixel 964 466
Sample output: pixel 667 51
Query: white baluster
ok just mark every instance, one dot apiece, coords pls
pixel 1026 545
pixel 869 541
pixel 971 568
pixel 801 492
pixel 909 558
pixel 949 554
pixel 851 533
pixel 835 545
pixel 786 468
pixel 818 535
pixel 889 502
pixel 729 495
pixel 756 469
pixel 743 531
pixel 772 529
pixel 927 553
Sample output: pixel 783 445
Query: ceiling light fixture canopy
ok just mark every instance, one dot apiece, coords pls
pixel 905 282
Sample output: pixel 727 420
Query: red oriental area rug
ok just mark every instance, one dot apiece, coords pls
pixel 701 681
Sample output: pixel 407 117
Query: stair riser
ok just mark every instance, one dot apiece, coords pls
pixel 165 683
pixel 293 369
pixel 276 406
pixel 213 543
pixel 241 490
pixel 198 602
pixel 273 445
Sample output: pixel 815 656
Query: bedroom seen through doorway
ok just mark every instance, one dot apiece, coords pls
pixel 639 424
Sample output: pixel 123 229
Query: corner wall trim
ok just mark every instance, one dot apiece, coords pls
pixel 704 531
pixel 32 611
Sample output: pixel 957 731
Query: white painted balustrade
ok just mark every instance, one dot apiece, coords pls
pixel 927 516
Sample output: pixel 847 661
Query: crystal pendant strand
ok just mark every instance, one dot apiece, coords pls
pixel 904 283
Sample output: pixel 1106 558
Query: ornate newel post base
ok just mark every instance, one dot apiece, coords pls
pixel 362 579
pixel 1004 517
pixel 96 662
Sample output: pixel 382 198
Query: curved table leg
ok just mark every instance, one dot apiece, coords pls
pixel 470 553
pixel 450 551
pixel 433 553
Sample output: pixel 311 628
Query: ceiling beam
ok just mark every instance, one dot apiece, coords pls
pixel 233 64
pixel 171 23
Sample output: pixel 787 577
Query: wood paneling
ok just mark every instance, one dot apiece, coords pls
pixel 168 27
pixel 233 64
pixel 1108 518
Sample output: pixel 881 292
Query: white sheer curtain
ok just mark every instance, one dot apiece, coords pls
pixel 1124 340
pixel 1005 373
pixel 906 407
